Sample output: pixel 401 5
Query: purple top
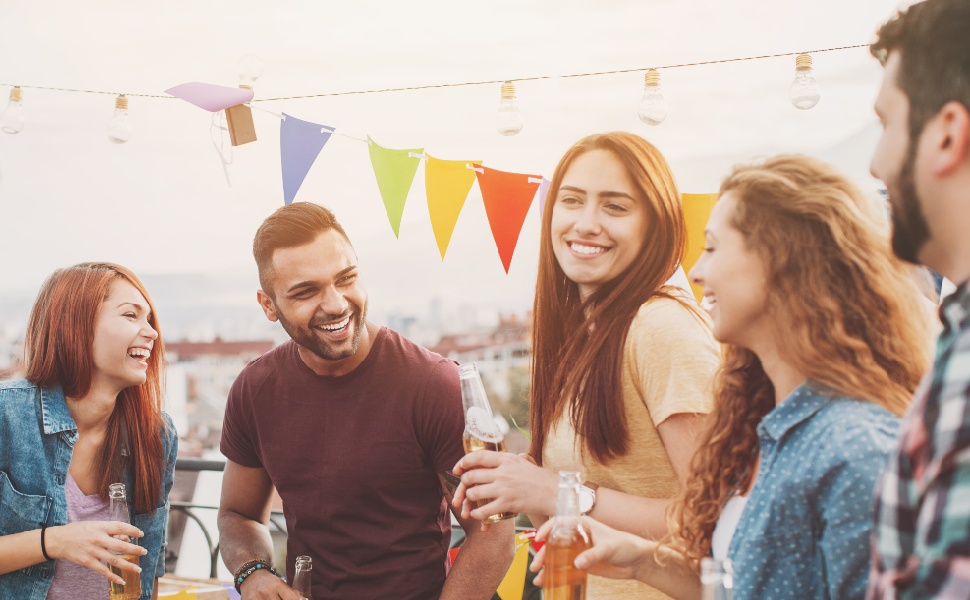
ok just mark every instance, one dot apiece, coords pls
pixel 71 580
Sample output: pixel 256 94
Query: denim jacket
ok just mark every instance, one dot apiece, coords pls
pixel 37 437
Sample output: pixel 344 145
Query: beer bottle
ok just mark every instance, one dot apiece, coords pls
pixel 481 430
pixel 118 511
pixel 717 579
pixel 301 577
pixel 563 581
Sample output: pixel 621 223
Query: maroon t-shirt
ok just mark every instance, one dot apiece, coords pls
pixel 355 459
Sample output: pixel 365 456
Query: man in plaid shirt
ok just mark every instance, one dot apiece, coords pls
pixel 921 542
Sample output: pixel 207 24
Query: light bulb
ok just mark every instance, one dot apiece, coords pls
pixel 508 120
pixel 804 91
pixel 119 129
pixel 249 68
pixel 12 120
pixel 652 109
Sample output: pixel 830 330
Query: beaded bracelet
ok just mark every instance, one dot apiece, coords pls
pixel 249 568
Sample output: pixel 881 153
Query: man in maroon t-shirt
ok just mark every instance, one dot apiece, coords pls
pixel 353 425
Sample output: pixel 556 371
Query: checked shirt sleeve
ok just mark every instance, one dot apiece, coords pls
pixel 921 545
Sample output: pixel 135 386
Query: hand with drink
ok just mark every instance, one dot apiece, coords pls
pixel 499 482
pixel 620 555
pixel 614 554
pixel 481 435
pixel 94 544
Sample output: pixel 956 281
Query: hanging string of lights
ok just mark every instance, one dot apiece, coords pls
pixel 804 92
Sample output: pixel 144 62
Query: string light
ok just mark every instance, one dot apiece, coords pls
pixel 119 129
pixel 804 91
pixel 652 109
pixel 12 120
pixel 508 119
pixel 469 83
pixel 249 69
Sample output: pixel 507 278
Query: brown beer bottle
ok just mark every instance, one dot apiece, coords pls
pixel 301 577
pixel 481 430
pixel 118 511
pixel 563 581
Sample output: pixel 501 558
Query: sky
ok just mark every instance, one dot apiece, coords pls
pixel 161 203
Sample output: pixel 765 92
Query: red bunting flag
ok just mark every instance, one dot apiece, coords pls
pixel 507 197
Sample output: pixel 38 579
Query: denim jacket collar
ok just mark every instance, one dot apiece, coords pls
pixel 806 400
pixel 57 417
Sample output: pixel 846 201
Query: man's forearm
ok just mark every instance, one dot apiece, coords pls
pixel 242 539
pixel 481 564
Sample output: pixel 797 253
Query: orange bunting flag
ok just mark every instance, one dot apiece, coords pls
pixel 447 183
pixel 507 198
pixel 697 210
pixel 395 170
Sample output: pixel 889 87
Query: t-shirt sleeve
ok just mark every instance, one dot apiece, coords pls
pixel 237 443
pixel 443 418
pixel 673 357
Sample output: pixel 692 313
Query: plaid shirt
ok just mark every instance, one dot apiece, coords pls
pixel 921 541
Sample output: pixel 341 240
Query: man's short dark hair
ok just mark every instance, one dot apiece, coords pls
pixel 290 226
pixel 933 41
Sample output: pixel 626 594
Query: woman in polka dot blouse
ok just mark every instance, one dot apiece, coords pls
pixel 825 337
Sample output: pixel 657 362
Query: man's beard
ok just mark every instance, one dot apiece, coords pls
pixel 910 231
pixel 322 348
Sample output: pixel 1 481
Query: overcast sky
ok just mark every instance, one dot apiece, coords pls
pixel 161 204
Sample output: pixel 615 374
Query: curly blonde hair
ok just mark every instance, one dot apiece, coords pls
pixel 846 312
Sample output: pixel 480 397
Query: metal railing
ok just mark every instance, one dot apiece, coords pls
pixel 277 521
pixel 189 509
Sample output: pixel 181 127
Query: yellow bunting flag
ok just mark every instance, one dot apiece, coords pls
pixel 513 585
pixel 187 594
pixel 697 210
pixel 395 171
pixel 447 183
pixel 507 198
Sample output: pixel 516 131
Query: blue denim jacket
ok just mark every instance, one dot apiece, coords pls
pixel 37 436
pixel 804 532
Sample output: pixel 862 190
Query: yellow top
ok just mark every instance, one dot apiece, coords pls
pixel 669 361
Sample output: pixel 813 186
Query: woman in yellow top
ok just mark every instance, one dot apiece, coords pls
pixel 623 363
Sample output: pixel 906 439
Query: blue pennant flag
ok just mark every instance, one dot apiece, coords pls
pixel 300 144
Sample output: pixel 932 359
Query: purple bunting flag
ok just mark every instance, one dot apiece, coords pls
pixel 300 144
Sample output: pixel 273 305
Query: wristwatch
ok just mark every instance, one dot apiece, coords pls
pixel 587 497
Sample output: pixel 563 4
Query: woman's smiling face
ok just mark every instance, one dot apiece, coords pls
pixel 599 221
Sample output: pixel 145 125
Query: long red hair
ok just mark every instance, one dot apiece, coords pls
pixel 847 314
pixel 59 351
pixel 577 345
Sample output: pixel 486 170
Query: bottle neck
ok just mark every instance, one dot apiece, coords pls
pixel 567 501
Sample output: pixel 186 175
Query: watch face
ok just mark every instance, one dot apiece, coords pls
pixel 586 496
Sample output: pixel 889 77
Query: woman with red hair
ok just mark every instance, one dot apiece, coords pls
pixel 86 415
pixel 622 361
pixel 825 337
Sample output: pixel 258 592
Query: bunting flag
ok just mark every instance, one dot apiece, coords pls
pixel 210 97
pixel 395 170
pixel 447 183
pixel 697 210
pixel 507 197
pixel 543 190
pixel 513 585
pixel 300 144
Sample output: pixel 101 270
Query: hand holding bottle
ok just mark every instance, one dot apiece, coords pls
pixel 93 544
pixel 614 554
pixel 482 434
pixel 508 482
